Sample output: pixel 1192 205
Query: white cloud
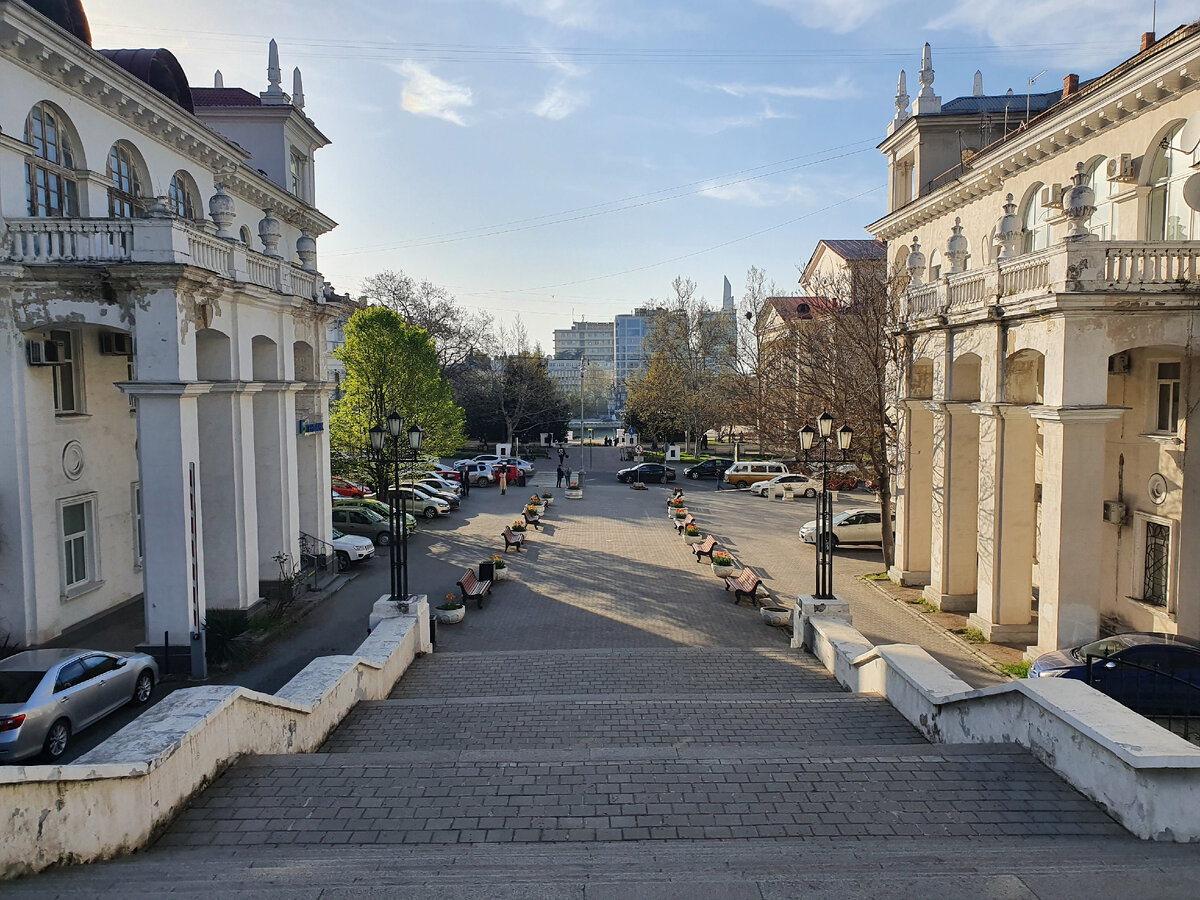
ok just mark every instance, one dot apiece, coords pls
pixel 578 14
pixel 841 89
pixel 425 94
pixel 717 124
pixel 838 16
pixel 791 192
pixel 560 101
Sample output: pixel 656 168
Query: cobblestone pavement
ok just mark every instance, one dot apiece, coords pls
pixel 611 726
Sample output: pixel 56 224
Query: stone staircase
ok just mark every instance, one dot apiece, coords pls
pixel 550 774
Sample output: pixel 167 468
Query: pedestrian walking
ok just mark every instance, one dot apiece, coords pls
pixel 503 481
pixel 466 482
pixel 558 482
pixel 567 475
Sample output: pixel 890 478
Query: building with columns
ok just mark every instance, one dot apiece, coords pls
pixel 162 334
pixel 1051 378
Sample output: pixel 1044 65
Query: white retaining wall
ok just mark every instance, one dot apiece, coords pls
pixel 1145 777
pixel 114 798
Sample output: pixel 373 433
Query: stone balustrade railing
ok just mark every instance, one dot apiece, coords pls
pixel 1087 266
pixel 40 242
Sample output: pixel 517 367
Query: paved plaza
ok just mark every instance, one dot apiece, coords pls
pixel 611 725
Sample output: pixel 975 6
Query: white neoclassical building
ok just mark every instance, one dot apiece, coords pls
pixel 1052 375
pixel 162 334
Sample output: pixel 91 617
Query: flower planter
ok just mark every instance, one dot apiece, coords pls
pixel 451 616
pixel 725 571
pixel 776 615
pixel 500 574
pixel 693 539
pixel 549 501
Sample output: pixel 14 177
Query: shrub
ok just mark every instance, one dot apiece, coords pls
pixel 498 561
pixel 452 602
pixel 517 527
pixel 692 531
pixel 721 558
pixel 222 628
pixel 681 513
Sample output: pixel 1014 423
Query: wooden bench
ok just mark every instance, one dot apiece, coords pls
pixel 512 539
pixel 683 523
pixel 531 520
pixel 745 585
pixel 705 548
pixel 473 587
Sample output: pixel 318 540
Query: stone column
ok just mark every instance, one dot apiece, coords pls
pixel 1073 443
pixel 913 503
pixel 1007 438
pixel 275 477
pixel 954 495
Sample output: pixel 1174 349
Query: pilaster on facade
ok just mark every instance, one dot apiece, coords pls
pixel 955 436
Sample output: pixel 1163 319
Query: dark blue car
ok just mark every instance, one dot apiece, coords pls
pixel 1150 672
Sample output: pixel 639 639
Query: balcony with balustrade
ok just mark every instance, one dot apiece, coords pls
pixel 1071 273
pixel 159 240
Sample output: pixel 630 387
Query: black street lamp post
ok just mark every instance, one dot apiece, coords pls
pixel 824 533
pixel 415 438
pixel 381 437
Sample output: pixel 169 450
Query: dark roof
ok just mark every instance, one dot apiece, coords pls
pixel 855 248
pixel 790 308
pixel 157 68
pixel 224 97
pixel 1038 103
pixel 67 15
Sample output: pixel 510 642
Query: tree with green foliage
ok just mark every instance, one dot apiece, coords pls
pixel 390 366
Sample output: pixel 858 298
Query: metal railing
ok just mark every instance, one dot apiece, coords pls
pixel 316 555
pixel 1154 692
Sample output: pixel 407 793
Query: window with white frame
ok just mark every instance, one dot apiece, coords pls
pixel 1166 397
pixel 182 196
pixel 77 543
pixel 68 396
pixel 1036 222
pixel 138 534
pixel 297 172
pixel 1171 219
pixel 125 190
pixel 1103 222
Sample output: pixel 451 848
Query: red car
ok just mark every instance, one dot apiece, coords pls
pixel 512 473
pixel 448 474
pixel 344 488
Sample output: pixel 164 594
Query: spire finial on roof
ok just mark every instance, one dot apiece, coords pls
pixel 977 91
pixel 297 90
pixel 218 79
pixel 273 76
pixel 902 113
pixel 927 101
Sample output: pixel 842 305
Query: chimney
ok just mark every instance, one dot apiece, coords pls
pixel 1147 41
pixel 1070 85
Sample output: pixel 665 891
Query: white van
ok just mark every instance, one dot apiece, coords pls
pixel 744 474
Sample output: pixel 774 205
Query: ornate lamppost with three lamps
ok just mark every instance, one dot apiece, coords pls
pixel 824 534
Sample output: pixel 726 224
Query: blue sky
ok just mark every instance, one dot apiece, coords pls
pixel 568 158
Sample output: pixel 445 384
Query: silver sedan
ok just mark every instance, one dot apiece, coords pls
pixel 48 695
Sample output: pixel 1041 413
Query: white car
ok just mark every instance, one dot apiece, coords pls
pixel 854 526
pixel 351 548
pixel 420 501
pixel 801 484
pixel 441 484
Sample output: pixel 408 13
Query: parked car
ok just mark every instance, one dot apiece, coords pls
pixel 344 488
pixel 377 505
pixel 351 548
pixel 46 696
pixel 646 472
pixel 421 502
pixel 1150 672
pixel 515 476
pixel 708 468
pixel 363 521
pixel 744 474
pixel 450 498
pixel 524 465
pixel 801 484
pixel 479 473
pixel 439 483
pixel 854 526
pixel 449 474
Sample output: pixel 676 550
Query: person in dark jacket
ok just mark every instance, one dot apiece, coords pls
pixel 558 481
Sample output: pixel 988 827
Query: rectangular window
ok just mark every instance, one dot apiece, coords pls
pixel 1157 563
pixel 67 397
pixel 138 535
pixel 1167 419
pixel 297 174
pixel 77 546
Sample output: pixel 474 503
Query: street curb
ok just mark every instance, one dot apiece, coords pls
pixel 965 644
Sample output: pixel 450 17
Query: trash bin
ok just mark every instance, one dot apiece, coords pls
pixel 487 571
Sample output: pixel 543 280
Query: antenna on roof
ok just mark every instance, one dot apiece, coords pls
pixel 1029 91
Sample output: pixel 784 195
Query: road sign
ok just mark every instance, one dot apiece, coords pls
pixel 638 449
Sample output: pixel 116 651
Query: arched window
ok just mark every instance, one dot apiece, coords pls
pixel 125 193
pixel 1035 222
pixel 1171 219
pixel 1103 223
pixel 245 232
pixel 182 195
pixel 50 187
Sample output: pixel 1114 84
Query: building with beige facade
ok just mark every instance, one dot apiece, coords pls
pixel 1049 324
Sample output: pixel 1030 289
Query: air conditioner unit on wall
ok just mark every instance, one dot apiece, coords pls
pixel 1120 363
pixel 1052 197
pixel 1114 512
pixel 116 343
pixel 1123 168
pixel 45 353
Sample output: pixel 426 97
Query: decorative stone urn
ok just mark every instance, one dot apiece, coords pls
pixel 223 211
pixel 1078 204
pixel 726 571
pixel 957 247
pixel 693 538
pixel 306 249
pixel 776 615
pixel 269 232
pixel 1008 229
pixel 915 264
pixel 451 616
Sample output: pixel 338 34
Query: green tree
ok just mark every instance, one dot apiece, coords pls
pixel 390 366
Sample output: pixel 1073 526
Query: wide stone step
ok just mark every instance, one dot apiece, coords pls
pixel 667 672
pixel 617 720
pixel 700 792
